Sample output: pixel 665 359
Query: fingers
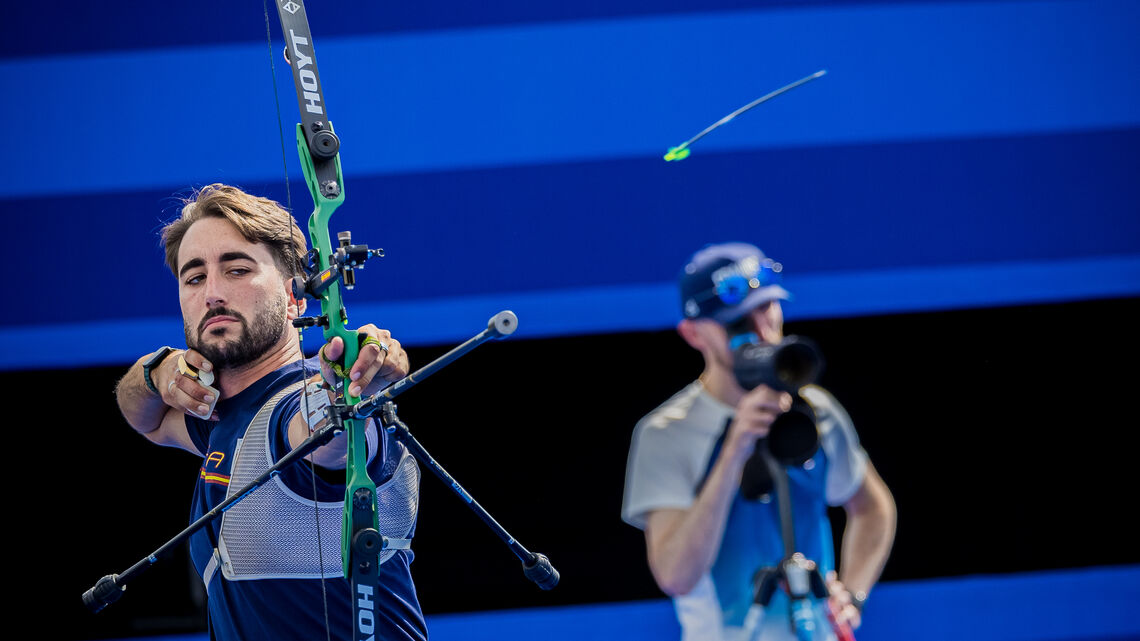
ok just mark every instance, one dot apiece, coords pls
pixel 333 349
pixel 842 605
pixel 846 615
pixel 199 363
pixel 761 406
pixel 756 412
pixel 381 359
pixel 840 597
pixel 394 361
pixel 186 392
pixel 785 401
pixel 329 353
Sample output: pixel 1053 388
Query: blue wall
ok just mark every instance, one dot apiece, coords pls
pixel 1084 605
pixel 956 154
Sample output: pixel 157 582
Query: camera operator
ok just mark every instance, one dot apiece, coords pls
pixel 705 539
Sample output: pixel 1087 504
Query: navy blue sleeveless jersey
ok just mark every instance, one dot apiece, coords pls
pixel 280 609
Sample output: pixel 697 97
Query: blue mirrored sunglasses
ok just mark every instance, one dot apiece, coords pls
pixel 734 288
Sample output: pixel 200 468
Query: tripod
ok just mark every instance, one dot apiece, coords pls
pixel 800 576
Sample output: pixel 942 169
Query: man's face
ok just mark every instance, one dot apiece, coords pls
pixel 234 305
pixel 767 321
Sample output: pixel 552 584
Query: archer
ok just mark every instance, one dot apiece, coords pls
pixel 238 396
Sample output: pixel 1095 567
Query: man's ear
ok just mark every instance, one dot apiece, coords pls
pixel 687 328
pixel 296 306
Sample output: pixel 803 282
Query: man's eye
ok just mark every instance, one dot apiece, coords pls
pixel 194 280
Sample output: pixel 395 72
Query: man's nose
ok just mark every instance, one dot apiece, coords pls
pixel 214 292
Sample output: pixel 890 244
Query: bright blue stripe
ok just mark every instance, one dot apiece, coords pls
pixel 892 291
pixel 1094 603
pixel 580 91
pixel 634 621
pixel 618 309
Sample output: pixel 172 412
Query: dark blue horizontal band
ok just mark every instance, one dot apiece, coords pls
pixel 56 27
pixel 615 309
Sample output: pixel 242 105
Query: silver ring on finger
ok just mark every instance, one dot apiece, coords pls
pixel 383 346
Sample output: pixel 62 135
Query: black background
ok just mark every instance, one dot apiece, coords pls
pixel 1007 436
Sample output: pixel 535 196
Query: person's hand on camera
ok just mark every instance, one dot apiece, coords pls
pixel 754 416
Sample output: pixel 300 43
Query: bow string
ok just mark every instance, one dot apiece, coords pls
pixel 332 271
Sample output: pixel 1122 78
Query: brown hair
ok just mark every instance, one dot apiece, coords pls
pixel 258 220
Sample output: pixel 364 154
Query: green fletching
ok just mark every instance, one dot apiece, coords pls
pixel 677 153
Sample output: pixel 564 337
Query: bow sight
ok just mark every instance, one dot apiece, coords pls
pixel 343 263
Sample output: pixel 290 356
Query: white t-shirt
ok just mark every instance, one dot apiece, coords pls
pixel 669 458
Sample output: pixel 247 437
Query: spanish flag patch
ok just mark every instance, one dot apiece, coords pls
pixel 214 477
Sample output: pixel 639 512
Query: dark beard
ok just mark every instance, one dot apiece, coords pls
pixel 251 344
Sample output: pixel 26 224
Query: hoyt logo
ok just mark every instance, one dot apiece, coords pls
pixel 365 617
pixel 306 72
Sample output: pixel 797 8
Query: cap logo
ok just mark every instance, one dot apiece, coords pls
pixel 733 282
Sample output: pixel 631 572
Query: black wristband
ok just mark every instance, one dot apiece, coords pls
pixel 858 598
pixel 152 363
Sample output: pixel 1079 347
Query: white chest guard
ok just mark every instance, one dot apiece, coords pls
pixel 272 533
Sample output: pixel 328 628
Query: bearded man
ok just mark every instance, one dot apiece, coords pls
pixel 236 397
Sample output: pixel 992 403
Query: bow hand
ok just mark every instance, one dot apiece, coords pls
pixel 380 360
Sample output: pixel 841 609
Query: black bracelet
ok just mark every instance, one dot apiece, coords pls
pixel 152 363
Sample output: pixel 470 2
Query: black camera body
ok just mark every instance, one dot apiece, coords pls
pixel 786 366
pixel 793 438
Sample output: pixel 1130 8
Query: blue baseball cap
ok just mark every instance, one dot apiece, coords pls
pixel 726 281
